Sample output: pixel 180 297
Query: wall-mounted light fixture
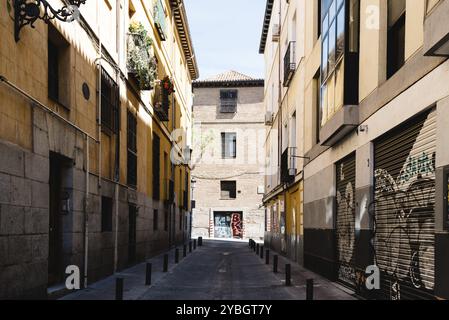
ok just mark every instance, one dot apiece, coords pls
pixel 26 12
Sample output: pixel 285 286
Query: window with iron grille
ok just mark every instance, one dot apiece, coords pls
pixel 53 71
pixel 132 150
pixel 156 167
pixel 229 145
pixel 106 214
pixel 109 103
pixel 228 101
pixel 228 190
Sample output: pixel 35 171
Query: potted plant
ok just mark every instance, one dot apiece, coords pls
pixel 141 63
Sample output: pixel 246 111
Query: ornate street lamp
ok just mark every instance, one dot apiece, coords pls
pixel 26 12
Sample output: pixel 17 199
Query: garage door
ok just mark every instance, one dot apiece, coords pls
pixel 404 207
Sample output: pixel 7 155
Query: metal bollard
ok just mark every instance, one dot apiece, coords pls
pixel 184 251
pixel 176 255
pixel 267 257
pixel 148 275
pixel 119 289
pixel 309 289
pixel 254 246
pixel 200 241
pixel 165 262
pixel 194 244
pixel 288 275
pixel 275 263
pixel 257 249
pixel 190 246
pixel 249 243
pixel 261 252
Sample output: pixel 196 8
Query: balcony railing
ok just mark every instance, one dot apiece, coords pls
pixel 289 63
pixel 228 106
pixel 139 57
pixel 288 165
pixel 161 103
pixel 159 19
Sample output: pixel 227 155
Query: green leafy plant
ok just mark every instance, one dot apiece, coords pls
pixel 140 61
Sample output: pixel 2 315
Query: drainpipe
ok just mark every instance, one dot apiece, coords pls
pixel 86 213
pixel 117 144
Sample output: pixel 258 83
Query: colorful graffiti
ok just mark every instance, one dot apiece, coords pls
pixel 237 226
pixel 228 225
pixel 346 234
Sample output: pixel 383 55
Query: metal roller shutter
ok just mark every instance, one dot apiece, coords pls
pixel 345 222
pixel 404 219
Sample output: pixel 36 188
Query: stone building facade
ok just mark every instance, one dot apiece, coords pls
pixel 86 177
pixel 373 98
pixel 228 157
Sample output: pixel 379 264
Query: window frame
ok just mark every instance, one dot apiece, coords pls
pixel 232 193
pixel 224 145
pixel 228 100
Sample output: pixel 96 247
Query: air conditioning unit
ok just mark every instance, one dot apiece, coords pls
pixel 269 118
pixel 276 33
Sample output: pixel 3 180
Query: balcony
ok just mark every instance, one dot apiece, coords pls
pixel 288 166
pixel 289 63
pixel 161 104
pixel 170 192
pixel 436 31
pixel 159 20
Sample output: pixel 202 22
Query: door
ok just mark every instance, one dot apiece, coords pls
pixel 132 234
pixel 55 234
pixel 345 220
pixel 404 205
pixel 228 225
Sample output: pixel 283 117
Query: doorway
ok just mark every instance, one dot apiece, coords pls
pixel 60 195
pixel 228 225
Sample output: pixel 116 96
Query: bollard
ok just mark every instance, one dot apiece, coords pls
pixel 165 262
pixel 288 275
pixel 309 290
pixel 200 241
pixel 194 244
pixel 267 257
pixel 257 249
pixel 249 243
pixel 148 275
pixel 275 263
pixel 184 251
pixel 176 255
pixel 254 246
pixel 119 289
pixel 261 252
pixel 190 246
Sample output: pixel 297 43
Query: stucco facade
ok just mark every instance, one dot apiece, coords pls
pixel 210 167
pixel 67 193
pixel 374 122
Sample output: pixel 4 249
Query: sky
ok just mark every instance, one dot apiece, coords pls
pixel 226 35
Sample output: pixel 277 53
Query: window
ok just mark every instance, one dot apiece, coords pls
pixel 229 145
pixel 58 67
pixel 228 101
pixel 318 19
pixel 53 71
pixel 156 167
pixel 132 150
pixel 228 190
pixel 106 214
pixel 396 36
pixel 155 220
pixel 339 60
pixel 109 103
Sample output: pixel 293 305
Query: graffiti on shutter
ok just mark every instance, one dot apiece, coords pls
pixel 345 222
pixel 404 209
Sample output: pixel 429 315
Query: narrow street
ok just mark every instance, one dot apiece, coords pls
pixel 219 270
